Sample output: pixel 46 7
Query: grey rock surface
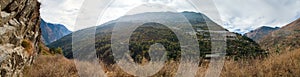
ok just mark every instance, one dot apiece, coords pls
pixel 19 35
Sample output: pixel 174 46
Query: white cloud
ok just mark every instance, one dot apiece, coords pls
pixel 250 14
pixel 60 11
pixel 121 7
pixel 238 15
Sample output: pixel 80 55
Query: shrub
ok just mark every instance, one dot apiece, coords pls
pixel 27 45
pixel 43 49
pixel 56 50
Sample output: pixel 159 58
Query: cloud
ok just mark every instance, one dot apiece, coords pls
pixel 60 11
pixel 236 15
pixel 122 7
pixel 251 14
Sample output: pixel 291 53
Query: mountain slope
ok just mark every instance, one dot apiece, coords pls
pixel 286 38
pixel 52 32
pixel 260 32
pixel 150 33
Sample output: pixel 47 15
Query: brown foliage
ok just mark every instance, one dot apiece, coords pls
pixel 285 64
pixel 51 66
pixel 28 46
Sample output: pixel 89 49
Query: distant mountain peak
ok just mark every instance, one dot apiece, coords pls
pixel 260 32
pixel 52 32
pixel 267 27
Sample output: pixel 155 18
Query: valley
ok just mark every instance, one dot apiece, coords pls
pixel 244 56
pixel 33 47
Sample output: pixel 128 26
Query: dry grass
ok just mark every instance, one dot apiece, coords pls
pixel 51 66
pixel 285 64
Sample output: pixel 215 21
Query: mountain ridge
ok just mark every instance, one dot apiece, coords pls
pixel 52 32
pixel 286 38
pixel 260 32
pixel 198 21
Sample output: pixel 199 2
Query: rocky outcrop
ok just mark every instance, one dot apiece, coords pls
pixel 19 35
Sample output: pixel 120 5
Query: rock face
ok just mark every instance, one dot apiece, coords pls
pixel 261 32
pixel 19 35
pixel 52 32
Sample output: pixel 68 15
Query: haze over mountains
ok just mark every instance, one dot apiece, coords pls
pixel 52 32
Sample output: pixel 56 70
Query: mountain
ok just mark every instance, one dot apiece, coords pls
pixel 286 38
pixel 52 32
pixel 260 32
pixel 19 35
pixel 238 47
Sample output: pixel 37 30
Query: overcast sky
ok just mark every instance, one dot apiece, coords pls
pixel 236 15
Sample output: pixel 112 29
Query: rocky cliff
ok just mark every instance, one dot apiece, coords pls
pixel 52 32
pixel 19 35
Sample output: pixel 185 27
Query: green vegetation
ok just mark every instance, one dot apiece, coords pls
pixel 243 47
pixel 150 33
